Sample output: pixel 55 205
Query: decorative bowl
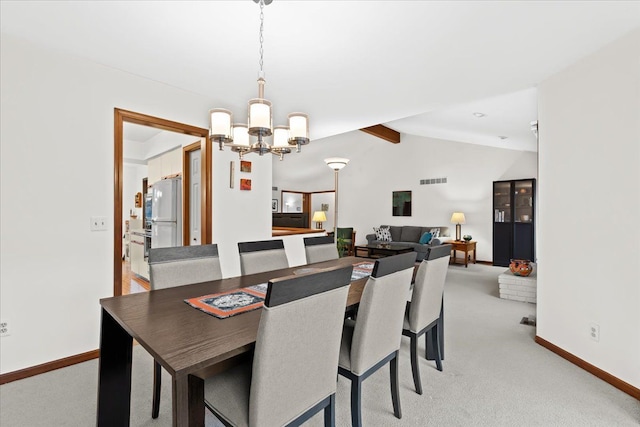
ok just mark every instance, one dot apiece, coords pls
pixel 467 237
pixel 521 267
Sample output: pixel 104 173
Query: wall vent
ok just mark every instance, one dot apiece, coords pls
pixel 274 188
pixel 429 181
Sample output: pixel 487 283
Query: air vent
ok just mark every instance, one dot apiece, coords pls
pixel 274 188
pixel 429 181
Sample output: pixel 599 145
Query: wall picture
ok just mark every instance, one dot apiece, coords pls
pixel 245 166
pixel 245 184
pixel 274 205
pixel 324 207
pixel 401 203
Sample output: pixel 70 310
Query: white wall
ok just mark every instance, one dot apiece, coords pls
pixel 53 269
pixel 317 200
pixel 377 168
pixel 589 117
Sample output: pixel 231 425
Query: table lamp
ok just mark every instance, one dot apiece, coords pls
pixel 319 217
pixel 458 218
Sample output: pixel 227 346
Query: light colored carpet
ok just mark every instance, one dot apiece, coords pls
pixel 494 375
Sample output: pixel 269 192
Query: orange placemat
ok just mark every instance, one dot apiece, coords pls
pixel 230 303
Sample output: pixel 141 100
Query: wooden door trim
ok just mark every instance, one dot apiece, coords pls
pixel 121 116
pixel 205 211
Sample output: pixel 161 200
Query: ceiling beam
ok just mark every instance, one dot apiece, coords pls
pixel 381 131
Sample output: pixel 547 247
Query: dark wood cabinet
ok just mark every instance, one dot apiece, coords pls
pixel 513 220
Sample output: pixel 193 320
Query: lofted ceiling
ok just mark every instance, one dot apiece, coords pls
pixel 420 67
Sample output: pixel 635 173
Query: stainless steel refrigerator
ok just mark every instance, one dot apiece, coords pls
pixel 166 213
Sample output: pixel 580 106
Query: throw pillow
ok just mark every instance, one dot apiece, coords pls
pixel 435 232
pixel 382 233
pixel 426 238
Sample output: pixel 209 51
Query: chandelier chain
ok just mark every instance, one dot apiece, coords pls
pixel 261 36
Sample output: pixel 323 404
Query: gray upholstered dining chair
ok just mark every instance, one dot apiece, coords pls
pixel 170 267
pixel 264 255
pixel 318 249
pixel 293 372
pixel 423 312
pixel 373 339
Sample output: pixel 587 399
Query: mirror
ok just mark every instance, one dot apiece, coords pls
pixel 292 202
pixel 158 153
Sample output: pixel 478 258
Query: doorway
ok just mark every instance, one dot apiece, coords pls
pixel 204 147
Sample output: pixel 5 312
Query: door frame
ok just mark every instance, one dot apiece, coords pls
pixel 121 116
pixel 186 192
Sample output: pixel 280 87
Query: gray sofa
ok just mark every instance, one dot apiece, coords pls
pixel 409 235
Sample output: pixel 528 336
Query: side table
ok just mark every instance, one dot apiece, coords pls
pixel 465 247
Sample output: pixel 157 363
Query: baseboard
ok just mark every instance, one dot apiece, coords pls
pixel 594 370
pixel 49 366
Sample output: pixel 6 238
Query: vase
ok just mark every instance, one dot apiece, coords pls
pixel 521 267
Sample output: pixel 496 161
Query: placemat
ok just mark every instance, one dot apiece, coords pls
pixel 232 302
pixel 361 270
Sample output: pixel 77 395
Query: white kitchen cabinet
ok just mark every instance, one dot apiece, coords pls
pixel 154 170
pixel 168 164
pixel 172 163
pixel 139 264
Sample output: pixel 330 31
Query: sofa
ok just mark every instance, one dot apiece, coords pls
pixel 409 235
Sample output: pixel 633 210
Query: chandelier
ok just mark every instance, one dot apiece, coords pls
pixel 240 137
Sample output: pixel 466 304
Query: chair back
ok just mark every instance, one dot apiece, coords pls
pixel 344 233
pixel 297 346
pixel 265 255
pixel 183 265
pixel 378 328
pixel 348 237
pixel 426 300
pixel 320 249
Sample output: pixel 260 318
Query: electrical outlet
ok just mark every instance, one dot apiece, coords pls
pixel 98 223
pixel 4 329
pixel 594 331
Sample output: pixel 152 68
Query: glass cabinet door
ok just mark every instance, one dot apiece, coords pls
pixel 502 201
pixel 523 201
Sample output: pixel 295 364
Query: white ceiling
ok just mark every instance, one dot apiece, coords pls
pixel 421 67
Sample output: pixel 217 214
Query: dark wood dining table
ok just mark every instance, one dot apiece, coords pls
pixel 189 344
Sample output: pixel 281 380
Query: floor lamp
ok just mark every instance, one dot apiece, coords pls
pixel 336 163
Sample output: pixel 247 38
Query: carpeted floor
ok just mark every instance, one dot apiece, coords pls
pixel 494 375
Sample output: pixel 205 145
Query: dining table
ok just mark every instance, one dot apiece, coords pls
pixel 190 344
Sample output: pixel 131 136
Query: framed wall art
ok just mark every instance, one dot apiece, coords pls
pixel 401 202
pixel 245 166
pixel 245 184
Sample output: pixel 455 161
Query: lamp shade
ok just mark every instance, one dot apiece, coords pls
pixel 319 216
pixel 457 218
pixel 299 126
pixel 281 136
pixel 260 120
pixel 336 163
pixel 240 134
pixel 220 123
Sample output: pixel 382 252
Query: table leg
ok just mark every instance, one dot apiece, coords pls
pixel 474 254
pixel 114 374
pixel 188 401
pixel 430 349
pixel 466 257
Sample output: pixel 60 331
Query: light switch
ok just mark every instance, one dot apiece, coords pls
pixel 98 223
